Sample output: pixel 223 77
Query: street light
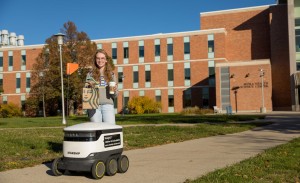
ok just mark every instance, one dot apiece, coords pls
pixel 123 99
pixel 43 92
pixel 60 42
pixel 261 74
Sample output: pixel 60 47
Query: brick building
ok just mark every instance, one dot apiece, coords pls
pixel 222 64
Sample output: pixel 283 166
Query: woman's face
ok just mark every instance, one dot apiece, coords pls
pixel 101 60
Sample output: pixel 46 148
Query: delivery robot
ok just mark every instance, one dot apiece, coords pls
pixel 92 147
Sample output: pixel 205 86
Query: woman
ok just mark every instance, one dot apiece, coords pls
pixel 100 78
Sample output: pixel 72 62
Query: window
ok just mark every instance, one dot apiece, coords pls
pixel 187 98
pixel 27 82
pixel 99 46
pixel 114 53
pixel 126 50
pixel 297 33
pixel 187 73
pixel 157 95
pixel 211 72
pixel 135 76
pixel 1 82
pixel 4 99
pixel 1 59
pixel 158 98
pixel 23 60
pixel 10 61
pixel 171 100
pixel 148 76
pixel 205 97
pixel 298 66
pixel 120 77
pixel 141 93
pixel 141 49
pixel 187 48
pixel 18 83
pixel 297 22
pixel 170 49
pixel 211 46
pixel 157 50
pixel 126 99
pixel 170 75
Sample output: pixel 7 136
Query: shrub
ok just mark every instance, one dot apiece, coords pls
pixel 9 110
pixel 31 108
pixel 143 104
pixel 195 110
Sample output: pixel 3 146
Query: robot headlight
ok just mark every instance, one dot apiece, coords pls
pixel 80 136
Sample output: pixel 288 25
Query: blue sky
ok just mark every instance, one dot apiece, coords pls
pixel 39 19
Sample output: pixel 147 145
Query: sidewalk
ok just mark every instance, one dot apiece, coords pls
pixel 180 161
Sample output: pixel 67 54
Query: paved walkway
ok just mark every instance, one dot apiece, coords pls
pixel 180 161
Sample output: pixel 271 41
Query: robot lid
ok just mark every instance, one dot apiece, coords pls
pixel 92 126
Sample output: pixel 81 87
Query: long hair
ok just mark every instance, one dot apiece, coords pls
pixel 109 66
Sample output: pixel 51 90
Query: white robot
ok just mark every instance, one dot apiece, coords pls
pixel 92 147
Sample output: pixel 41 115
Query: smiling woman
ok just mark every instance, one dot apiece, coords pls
pixel 101 77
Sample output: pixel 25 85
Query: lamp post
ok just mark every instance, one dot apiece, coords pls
pixel 60 42
pixel 43 92
pixel 261 74
pixel 123 99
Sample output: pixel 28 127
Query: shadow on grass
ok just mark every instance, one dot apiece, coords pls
pixel 55 147
pixel 157 119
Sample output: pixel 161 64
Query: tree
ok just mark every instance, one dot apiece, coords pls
pixel 45 75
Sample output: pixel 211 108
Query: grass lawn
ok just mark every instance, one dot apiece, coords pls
pixel 22 146
pixel 127 119
pixel 279 164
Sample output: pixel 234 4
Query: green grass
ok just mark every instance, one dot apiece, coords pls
pixel 127 119
pixel 279 164
pixel 23 147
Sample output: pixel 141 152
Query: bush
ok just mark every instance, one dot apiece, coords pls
pixel 31 108
pixel 10 110
pixel 142 105
pixel 195 110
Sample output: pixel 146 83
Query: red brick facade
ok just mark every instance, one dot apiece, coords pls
pixel 244 41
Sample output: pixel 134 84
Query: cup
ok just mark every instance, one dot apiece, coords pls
pixel 112 86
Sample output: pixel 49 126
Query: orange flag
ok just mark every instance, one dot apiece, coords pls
pixel 71 67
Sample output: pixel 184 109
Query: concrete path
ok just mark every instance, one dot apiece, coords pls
pixel 180 161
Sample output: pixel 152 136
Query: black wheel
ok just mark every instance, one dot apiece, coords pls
pixel 111 166
pixel 123 164
pixel 98 169
pixel 55 169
